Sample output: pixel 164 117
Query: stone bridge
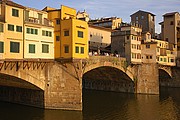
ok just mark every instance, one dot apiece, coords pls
pixel 57 84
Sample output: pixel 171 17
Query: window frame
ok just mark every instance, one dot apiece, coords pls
pixel 15 12
pixel 13 46
pixel 18 28
pixel 43 48
pixel 34 48
pixel 10 27
pixel 80 34
pixel 1 47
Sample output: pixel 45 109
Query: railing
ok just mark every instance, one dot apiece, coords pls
pixel 45 21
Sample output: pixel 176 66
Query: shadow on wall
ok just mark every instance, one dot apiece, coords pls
pixel 108 79
pixel 15 90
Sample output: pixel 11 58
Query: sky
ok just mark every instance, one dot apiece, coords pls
pixel 111 8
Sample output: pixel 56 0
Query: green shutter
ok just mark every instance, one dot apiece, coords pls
pixel 14 47
pixel 1 47
pixel 1 27
pixel 77 49
pixel 45 48
pixel 82 50
pixel 31 48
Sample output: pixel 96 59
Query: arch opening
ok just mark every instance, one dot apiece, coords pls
pixel 16 90
pixel 164 77
pixel 108 78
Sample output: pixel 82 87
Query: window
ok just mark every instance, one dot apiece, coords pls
pixel 45 48
pixel 136 17
pixel 28 30
pixel 57 38
pixel 31 48
pixel 165 60
pixel 1 47
pixel 10 27
pixel 66 33
pixel 127 37
pixel 15 12
pixel 58 21
pixel 46 33
pixel 147 46
pixel 66 49
pixel 161 59
pixel 142 17
pixel 32 31
pixel 90 35
pixel 172 60
pixel 80 34
pixel 36 31
pixel 43 33
pixel 19 28
pixel 133 55
pixel 133 46
pixel 139 47
pixel 77 49
pixel 150 56
pixel 82 50
pixel 1 27
pixel 14 47
pixel 171 23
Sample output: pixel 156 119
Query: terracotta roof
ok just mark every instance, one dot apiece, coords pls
pixel 170 14
pixel 11 3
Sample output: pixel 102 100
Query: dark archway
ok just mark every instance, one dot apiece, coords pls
pixel 108 79
pixel 16 90
pixel 164 77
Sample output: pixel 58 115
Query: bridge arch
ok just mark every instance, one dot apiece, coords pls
pixel 166 70
pixel 125 70
pixel 108 78
pixel 30 77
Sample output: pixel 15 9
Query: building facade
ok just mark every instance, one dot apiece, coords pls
pixel 38 35
pixel 170 28
pixel 112 22
pixel 146 19
pixel 99 39
pixel 11 27
pixel 127 42
pixel 71 34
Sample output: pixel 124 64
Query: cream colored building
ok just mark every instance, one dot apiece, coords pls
pixel 127 42
pixel 160 49
pixel 39 35
pixel 111 22
pixel 99 39
pixel 83 16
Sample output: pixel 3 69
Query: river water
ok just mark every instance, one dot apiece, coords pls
pixel 100 105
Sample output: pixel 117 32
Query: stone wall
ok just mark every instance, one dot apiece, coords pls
pixel 147 81
pixel 174 81
pixel 23 96
pixel 64 86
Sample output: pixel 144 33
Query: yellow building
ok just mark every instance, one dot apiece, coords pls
pixel 38 35
pixel 11 28
pixel 71 34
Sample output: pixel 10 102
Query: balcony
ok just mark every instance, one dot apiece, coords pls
pixel 47 22
pixel 33 20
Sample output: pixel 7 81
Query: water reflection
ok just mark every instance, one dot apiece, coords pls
pixel 100 105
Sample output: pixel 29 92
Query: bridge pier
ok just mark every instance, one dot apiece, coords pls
pixel 63 88
pixel 147 80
